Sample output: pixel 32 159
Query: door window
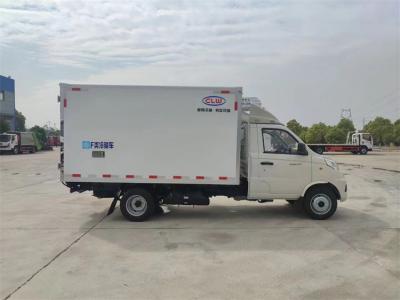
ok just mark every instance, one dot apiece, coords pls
pixel 278 141
pixel 367 137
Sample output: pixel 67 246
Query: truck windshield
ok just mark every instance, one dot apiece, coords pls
pixel 5 137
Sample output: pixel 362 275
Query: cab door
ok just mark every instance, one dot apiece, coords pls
pixel 356 139
pixel 366 139
pixel 278 171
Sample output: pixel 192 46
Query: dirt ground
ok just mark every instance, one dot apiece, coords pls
pixel 57 245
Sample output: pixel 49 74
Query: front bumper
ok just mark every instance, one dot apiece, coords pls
pixel 341 185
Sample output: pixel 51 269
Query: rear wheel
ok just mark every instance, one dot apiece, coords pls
pixel 320 203
pixel 137 205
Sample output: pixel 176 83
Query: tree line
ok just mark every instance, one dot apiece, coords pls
pixel 384 132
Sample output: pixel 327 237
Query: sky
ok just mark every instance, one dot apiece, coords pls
pixel 305 60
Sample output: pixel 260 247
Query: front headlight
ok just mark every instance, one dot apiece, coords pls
pixel 332 164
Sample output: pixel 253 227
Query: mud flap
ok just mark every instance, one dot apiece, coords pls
pixel 112 206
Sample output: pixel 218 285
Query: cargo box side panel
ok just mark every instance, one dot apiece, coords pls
pixel 151 134
pixel 27 139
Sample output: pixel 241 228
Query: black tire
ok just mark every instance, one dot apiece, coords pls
pixel 15 150
pixel 363 150
pixel 319 150
pixel 137 205
pixel 320 203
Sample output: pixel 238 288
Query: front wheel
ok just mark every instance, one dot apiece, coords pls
pixel 320 203
pixel 137 205
pixel 363 150
pixel 15 150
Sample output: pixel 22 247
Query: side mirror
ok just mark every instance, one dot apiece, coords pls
pixel 301 149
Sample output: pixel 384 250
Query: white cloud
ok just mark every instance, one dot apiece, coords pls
pixel 282 51
pixel 84 32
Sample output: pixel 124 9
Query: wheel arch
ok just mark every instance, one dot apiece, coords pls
pixel 322 183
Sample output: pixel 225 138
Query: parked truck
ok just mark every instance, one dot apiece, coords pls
pixel 17 142
pixel 145 146
pixel 356 143
pixel 53 141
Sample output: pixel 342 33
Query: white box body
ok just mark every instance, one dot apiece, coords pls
pixel 150 134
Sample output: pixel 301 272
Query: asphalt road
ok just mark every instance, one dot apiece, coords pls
pixel 56 245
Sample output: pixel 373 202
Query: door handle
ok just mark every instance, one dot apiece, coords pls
pixel 267 163
pixel 295 164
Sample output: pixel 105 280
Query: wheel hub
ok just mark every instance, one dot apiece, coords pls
pixel 321 204
pixel 136 205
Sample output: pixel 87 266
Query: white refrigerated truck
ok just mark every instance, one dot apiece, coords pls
pixel 150 145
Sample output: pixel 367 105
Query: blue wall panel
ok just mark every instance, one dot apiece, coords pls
pixel 7 84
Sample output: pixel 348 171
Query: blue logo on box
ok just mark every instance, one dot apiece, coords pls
pixel 86 145
pixel 97 145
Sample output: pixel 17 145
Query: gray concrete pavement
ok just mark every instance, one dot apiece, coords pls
pixel 56 245
pixel 375 159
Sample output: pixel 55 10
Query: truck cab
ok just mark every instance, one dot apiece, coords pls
pixel 362 138
pixel 280 166
pixel 9 143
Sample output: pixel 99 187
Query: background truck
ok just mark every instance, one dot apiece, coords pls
pixel 148 145
pixel 357 142
pixel 53 141
pixel 17 142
